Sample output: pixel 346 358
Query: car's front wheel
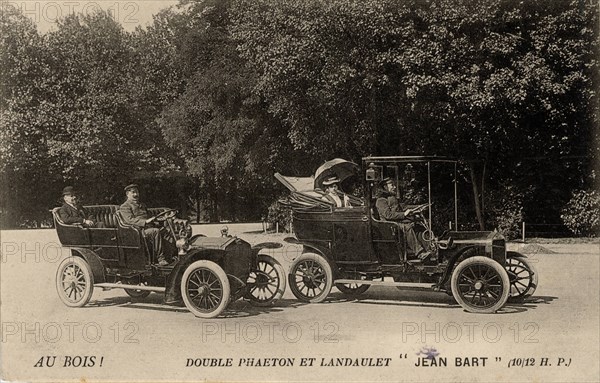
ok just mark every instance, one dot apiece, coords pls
pixel 480 285
pixel 74 282
pixel 267 283
pixel 205 289
pixel 311 278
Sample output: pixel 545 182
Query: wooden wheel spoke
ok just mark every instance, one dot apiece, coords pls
pixel 520 283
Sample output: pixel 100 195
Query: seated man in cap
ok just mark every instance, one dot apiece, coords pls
pixel 72 213
pixel 333 193
pixel 135 213
pixel 390 209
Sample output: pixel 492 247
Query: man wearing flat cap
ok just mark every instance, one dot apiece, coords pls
pixel 390 209
pixel 72 213
pixel 333 193
pixel 135 213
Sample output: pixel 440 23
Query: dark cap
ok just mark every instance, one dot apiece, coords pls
pixel 131 186
pixel 330 180
pixel 386 180
pixel 68 190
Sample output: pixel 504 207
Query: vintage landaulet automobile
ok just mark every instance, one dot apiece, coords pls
pixel 353 247
pixel 208 272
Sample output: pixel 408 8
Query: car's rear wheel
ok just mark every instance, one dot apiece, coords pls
pixel 311 278
pixel 74 282
pixel 523 278
pixel 480 285
pixel 267 283
pixel 138 294
pixel 205 289
pixel 352 289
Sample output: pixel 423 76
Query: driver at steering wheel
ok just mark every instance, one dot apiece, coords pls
pixel 135 213
pixel 390 209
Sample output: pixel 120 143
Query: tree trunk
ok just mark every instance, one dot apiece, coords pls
pixel 216 215
pixel 483 190
pixel 477 197
pixel 197 201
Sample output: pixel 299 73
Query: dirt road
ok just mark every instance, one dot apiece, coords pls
pixel 384 336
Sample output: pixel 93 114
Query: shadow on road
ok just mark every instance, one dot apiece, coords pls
pixel 238 309
pixel 244 309
pixel 530 303
pixel 432 299
pixel 387 297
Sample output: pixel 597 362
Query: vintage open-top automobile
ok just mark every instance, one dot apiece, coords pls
pixel 354 248
pixel 207 275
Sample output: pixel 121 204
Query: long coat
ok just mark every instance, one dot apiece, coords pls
pixel 134 213
pixel 389 208
pixel 70 215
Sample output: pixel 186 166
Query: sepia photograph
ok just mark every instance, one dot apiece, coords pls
pixel 299 190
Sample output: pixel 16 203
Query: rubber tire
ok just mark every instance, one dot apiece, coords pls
pixel 88 278
pixel 500 271
pixel 138 294
pixel 218 272
pixel 281 283
pixel 353 292
pixel 323 264
pixel 533 283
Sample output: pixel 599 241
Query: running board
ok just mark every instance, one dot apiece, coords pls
pixel 130 287
pixel 407 285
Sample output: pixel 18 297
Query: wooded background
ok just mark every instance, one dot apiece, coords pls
pixel 202 107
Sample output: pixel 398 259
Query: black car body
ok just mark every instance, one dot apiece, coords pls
pixel 353 248
pixel 207 274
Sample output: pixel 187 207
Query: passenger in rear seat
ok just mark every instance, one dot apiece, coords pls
pixel 135 213
pixel 72 213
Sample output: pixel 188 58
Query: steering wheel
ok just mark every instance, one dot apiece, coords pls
pixel 427 235
pixel 165 215
pixel 419 209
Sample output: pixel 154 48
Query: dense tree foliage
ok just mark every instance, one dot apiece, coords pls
pixel 215 96
pixel 22 136
pixel 498 81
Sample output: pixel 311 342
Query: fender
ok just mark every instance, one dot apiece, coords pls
pixel 316 249
pixel 515 254
pixel 267 245
pixel 452 262
pixel 256 249
pixel 311 247
pixel 322 250
pixel 173 283
pixel 93 260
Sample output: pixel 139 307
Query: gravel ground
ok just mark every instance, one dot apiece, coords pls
pixel 386 330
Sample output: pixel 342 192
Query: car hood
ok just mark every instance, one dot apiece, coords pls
pixel 214 242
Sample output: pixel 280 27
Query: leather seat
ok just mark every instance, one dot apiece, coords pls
pixel 103 213
pixel 108 215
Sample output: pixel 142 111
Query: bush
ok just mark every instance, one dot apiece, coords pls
pixel 280 214
pixel 505 209
pixel 581 214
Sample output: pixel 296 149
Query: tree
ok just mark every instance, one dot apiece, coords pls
pixel 217 125
pixel 494 81
pixel 22 137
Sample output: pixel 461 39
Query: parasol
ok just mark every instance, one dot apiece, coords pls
pixel 336 167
